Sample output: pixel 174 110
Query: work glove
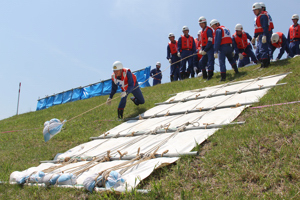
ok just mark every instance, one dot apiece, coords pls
pixel 108 101
pixel 178 54
pixel 241 56
pixel 216 55
pixel 170 61
pixel 195 69
pixel 254 47
pixel 202 52
pixel 257 39
pixel 264 39
pixel 253 41
pixel 123 94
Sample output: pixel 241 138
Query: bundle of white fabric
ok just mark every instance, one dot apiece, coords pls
pixel 52 127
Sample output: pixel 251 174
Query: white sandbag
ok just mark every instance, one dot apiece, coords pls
pixel 114 180
pixel 36 177
pixel 67 179
pixel 53 179
pixel 18 177
pixel 51 128
pixel 89 183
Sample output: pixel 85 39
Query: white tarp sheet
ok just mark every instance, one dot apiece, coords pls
pixel 180 143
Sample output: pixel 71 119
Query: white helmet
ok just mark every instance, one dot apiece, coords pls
pixel 295 16
pixel 214 21
pixel 262 4
pixel 185 28
pixel 274 38
pixel 202 19
pixel 158 63
pixel 117 65
pixel 171 35
pixel 256 6
pixel 238 27
pixel 199 32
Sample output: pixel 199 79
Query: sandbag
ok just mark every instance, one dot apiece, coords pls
pixel 36 177
pixel 18 177
pixel 67 179
pixel 51 128
pixel 89 183
pixel 114 180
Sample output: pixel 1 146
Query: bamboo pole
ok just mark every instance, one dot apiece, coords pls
pixel 97 189
pixel 169 130
pixel 167 155
pixel 221 94
pixel 193 111
pixel 237 82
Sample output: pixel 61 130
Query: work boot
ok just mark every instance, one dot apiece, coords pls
pixel 223 76
pixel 265 63
pixel 133 99
pixel 204 74
pixel 187 74
pixel 235 68
pixel 182 74
pixel 120 114
pixel 192 75
pixel 210 74
pixel 172 78
pixel 262 65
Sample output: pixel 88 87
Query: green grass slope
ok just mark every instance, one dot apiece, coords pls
pixel 257 160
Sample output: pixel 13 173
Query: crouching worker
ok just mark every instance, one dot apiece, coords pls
pixel 127 81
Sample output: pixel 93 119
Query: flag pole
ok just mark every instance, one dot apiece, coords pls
pixel 19 98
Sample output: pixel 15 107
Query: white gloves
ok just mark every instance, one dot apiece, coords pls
pixel 216 55
pixel 253 41
pixel 108 101
pixel 254 47
pixel 241 56
pixel 123 94
pixel 202 52
pixel 170 61
pixel 264 39
pixel 178 54
pixel 195 69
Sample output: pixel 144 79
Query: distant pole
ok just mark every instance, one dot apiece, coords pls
pixel 18 98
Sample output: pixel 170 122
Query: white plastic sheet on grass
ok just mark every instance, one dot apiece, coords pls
pixel 180 143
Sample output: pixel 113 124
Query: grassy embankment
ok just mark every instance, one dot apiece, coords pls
pixel 257 160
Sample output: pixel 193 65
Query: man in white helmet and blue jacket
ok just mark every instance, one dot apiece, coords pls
pixel 127 81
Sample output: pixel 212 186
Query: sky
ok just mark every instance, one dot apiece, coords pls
pixel 52 46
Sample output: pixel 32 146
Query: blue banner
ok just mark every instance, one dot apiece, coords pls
pixel 93 90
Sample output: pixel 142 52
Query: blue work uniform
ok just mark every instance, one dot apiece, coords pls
pixel 207 59
pixel 134 89
pixel 174 70
pixel 294 40
pixel 223 50
pixel 248 50
pixel 156 75
pixel 284 47
pixel 185 53
pixel 262 51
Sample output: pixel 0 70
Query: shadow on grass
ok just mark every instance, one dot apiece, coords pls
pixel 137 111
pixel 232 76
